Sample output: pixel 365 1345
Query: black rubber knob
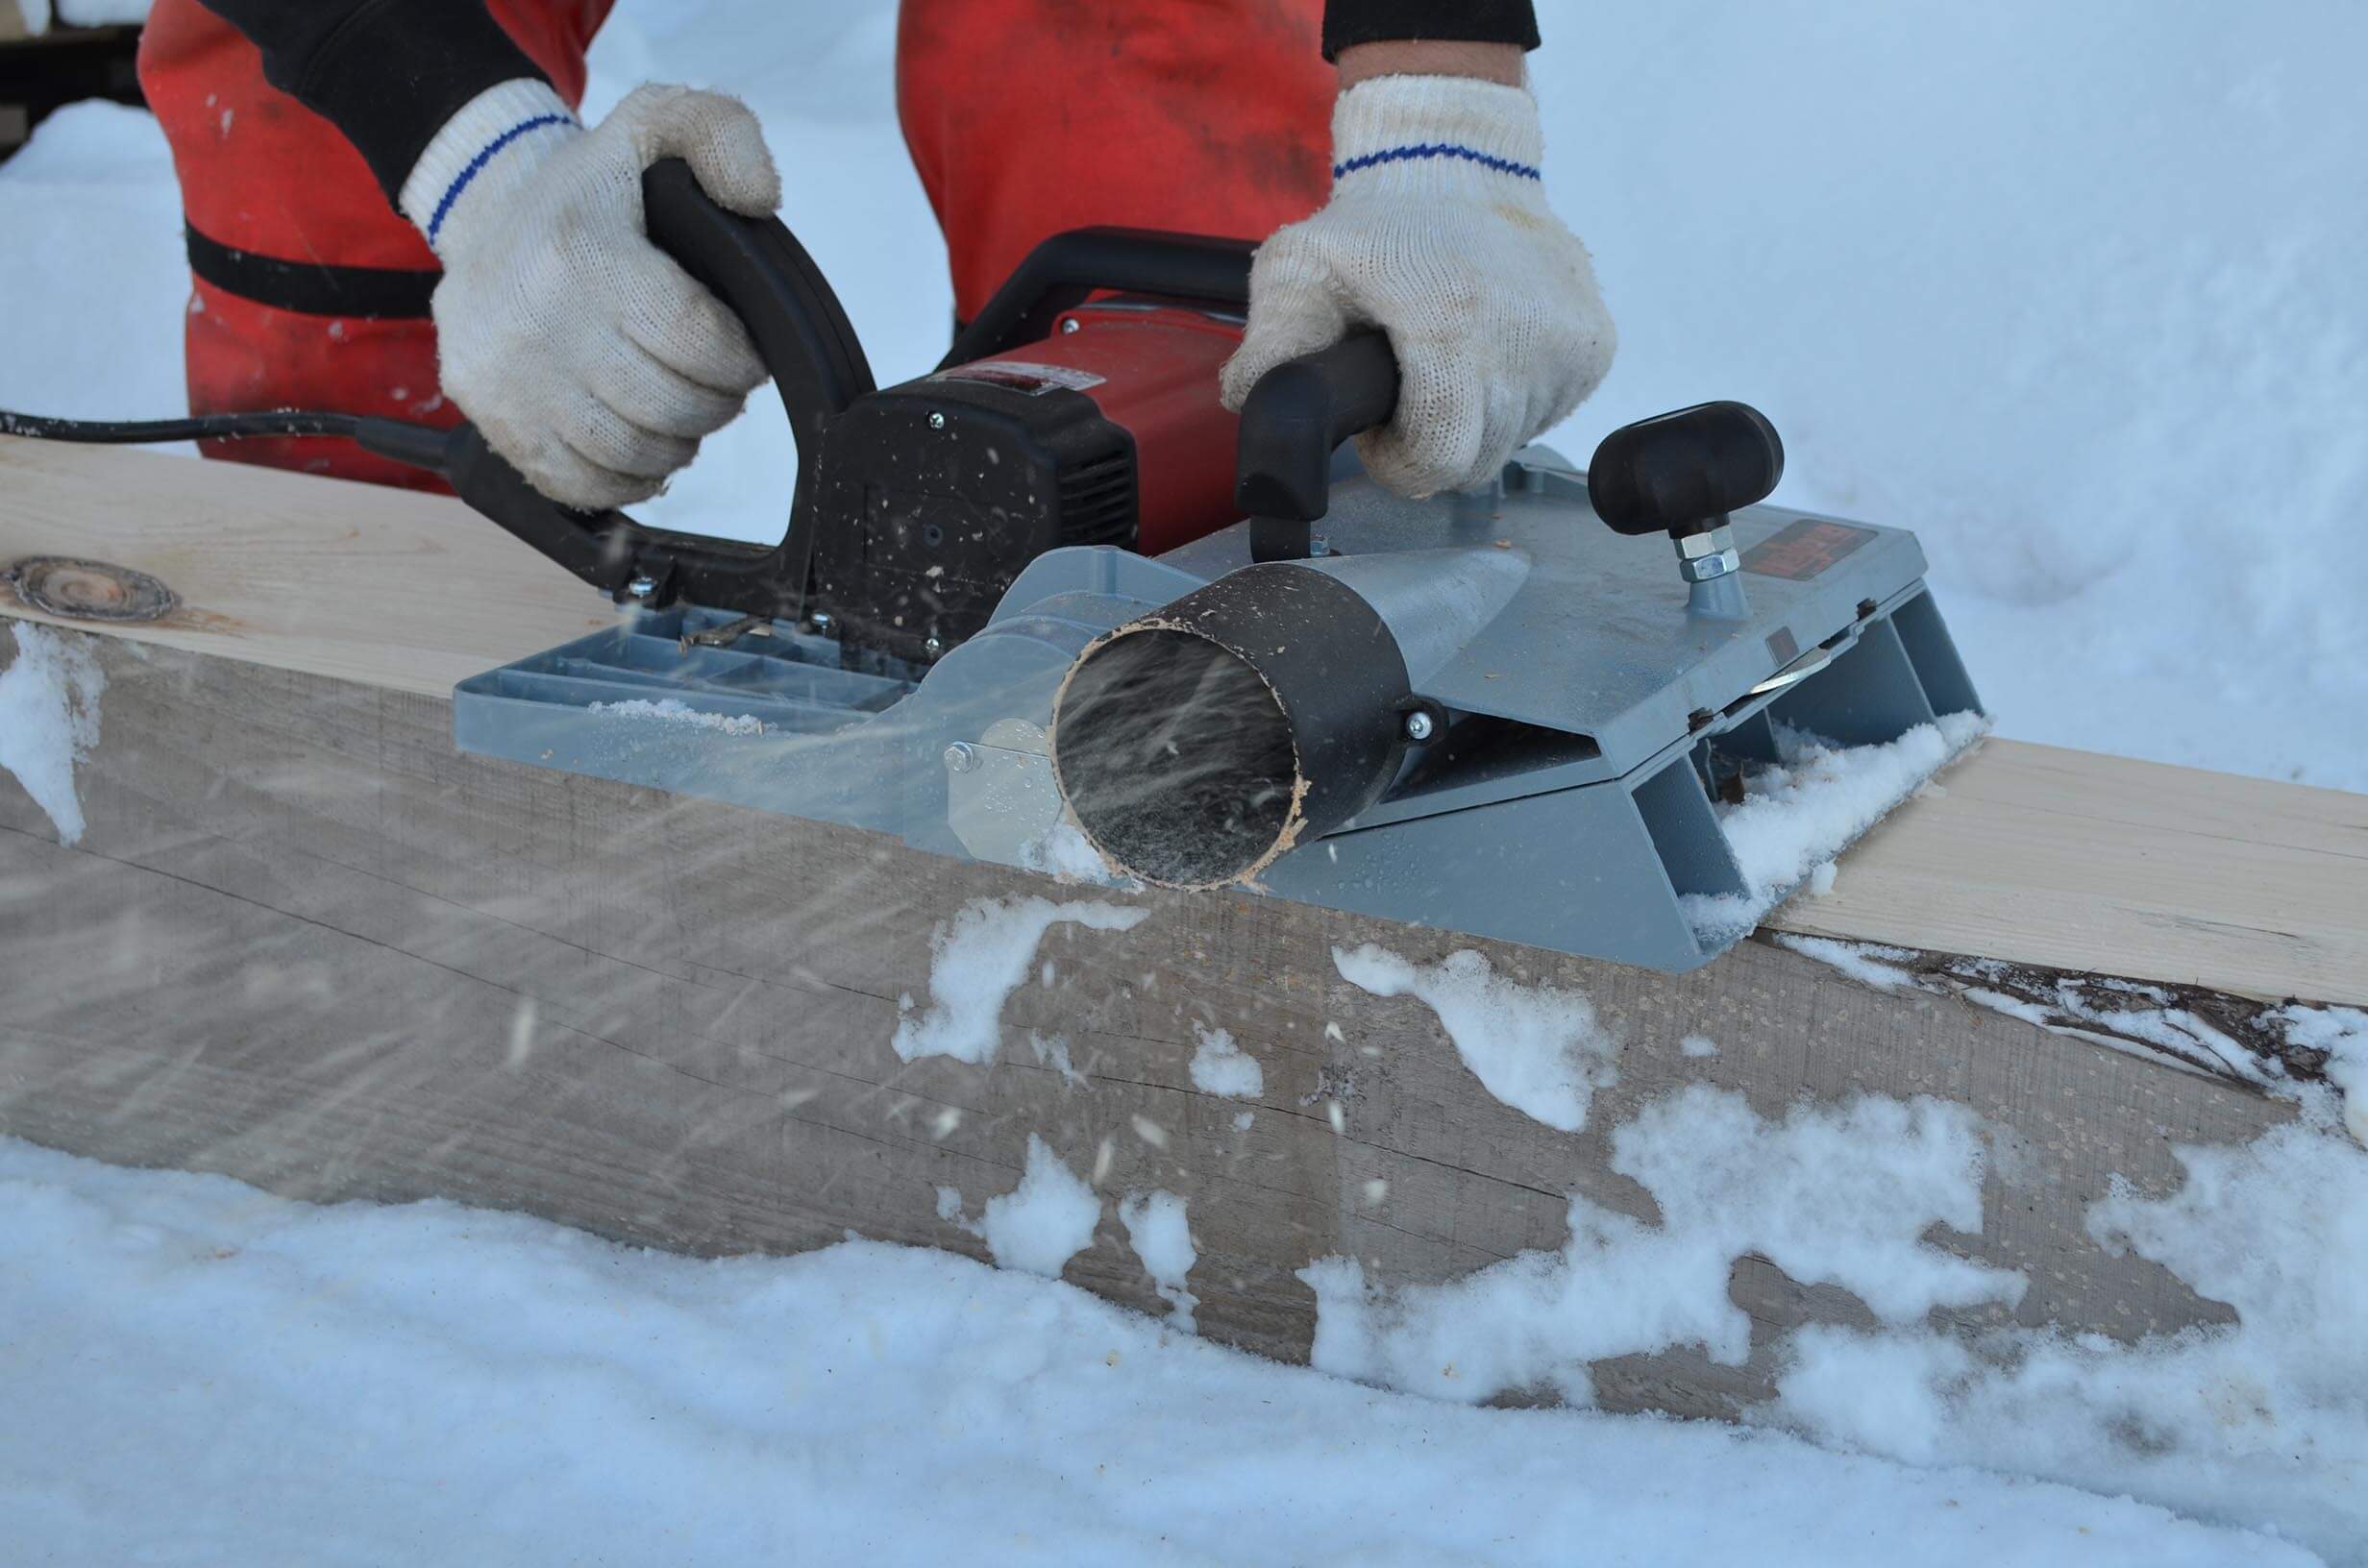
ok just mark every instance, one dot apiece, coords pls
pixel 1682 473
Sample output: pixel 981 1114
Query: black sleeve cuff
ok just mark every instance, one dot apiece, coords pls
pixel 387 73
pixel 1351 22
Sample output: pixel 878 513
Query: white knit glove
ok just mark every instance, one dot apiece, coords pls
pixel 1438 233
pixel 587 357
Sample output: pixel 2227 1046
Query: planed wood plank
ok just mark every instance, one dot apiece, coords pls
pixel 2030 854
pixel 2103 864
pixel 394 588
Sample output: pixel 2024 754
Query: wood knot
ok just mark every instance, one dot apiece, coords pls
pixel 78 590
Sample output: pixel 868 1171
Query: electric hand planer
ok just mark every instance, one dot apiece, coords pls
pixel 1051 606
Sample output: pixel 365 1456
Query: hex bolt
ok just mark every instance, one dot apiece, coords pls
pixel 961 757
pixel 1420 727
pixel 642 587
pixel 1706 556
pixel 937 421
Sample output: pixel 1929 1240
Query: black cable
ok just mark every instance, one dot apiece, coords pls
pixel 196 428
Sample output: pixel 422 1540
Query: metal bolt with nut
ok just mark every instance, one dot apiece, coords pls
pixel 961 757
pixel 642 587
pixel 1704 556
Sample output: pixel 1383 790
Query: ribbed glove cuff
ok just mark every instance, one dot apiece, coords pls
pixel 490 133
pixel 1411 132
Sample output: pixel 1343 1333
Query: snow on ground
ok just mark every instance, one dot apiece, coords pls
pixel 38 14
pixel 2265 1419
pixel 198 1372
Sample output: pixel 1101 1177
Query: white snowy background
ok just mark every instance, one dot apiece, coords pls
pixel 2071 288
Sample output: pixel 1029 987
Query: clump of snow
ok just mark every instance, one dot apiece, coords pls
pixel 1869 964
pixel 1540 1049
pixel 977 959
pixel 196 1371
pixel 1244 1120
pixel 1698 1045
pixel 2342 1033
pixel 49 720
pixel 1832 1195
pixel 1045 1222
pixel 2264 1423
pixel 1223 1068
pixel 1799 813
pixel 673 710
pixel 1065 854
pixel 1156 1229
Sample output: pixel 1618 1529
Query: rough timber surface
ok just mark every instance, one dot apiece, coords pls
pixel 307 944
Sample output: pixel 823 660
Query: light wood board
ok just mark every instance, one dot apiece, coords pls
pixel 2030 854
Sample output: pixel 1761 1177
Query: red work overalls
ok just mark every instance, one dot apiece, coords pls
pixel 1024 117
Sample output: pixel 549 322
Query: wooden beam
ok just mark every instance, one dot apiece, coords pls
pixel 306 943
pixel 2027 854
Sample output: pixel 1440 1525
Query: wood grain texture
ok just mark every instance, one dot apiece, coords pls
pixel 2036 855
pixel 2103 864
pixel 391 587
pixel 305 943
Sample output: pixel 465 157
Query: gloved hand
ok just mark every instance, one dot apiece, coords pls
pixel 585 354
pixel 1438 233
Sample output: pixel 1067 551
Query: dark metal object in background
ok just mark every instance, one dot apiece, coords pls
pixel 64 65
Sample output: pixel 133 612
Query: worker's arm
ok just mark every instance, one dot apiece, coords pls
pixel 387 73
pixel 1438 233
pixel 585 354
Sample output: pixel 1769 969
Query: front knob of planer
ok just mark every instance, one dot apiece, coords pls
pixel 1681 473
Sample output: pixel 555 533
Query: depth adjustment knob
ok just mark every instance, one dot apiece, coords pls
pixel 1681 473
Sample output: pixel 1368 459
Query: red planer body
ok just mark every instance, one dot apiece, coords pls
pixel 1106 430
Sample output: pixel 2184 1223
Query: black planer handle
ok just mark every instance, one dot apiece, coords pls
pixel 757 268
pixel 1291 422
